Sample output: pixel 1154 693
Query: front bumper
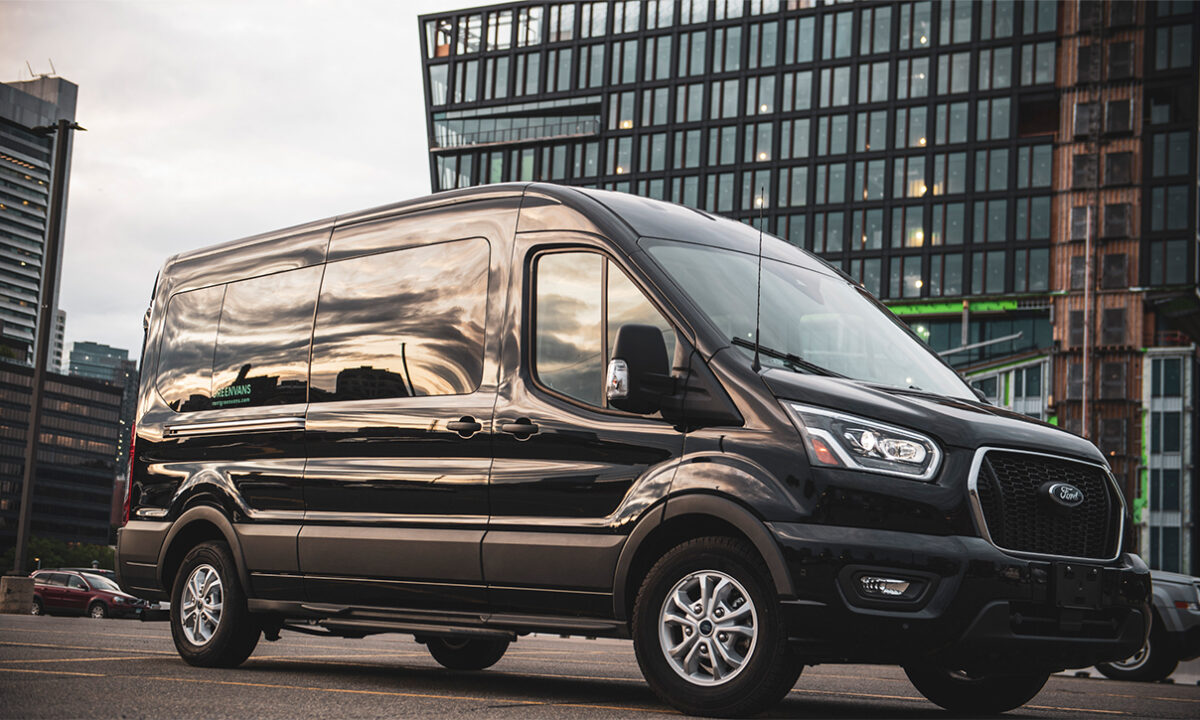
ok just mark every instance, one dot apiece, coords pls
pixel 977 607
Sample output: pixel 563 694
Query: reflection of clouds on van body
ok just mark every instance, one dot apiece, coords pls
pixel 569 347
pixel 417 314
pixel 266 323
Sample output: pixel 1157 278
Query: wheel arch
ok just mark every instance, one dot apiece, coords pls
pixel 683 518
pixel 197 524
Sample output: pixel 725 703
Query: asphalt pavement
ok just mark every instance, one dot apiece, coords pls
pixel 57 667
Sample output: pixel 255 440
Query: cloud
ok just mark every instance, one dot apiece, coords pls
pixel 209 121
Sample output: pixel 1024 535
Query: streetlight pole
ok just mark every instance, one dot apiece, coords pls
pixel 54 227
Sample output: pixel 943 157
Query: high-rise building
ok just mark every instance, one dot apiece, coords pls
pixel 1017 180
pixel 58 342
pixel 73 490
pixel 28 110
pixel 111 365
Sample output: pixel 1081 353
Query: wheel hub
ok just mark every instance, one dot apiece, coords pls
pixel 202 602
pixel 708 628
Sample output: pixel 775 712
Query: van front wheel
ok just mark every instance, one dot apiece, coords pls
pixel 708 633
pixel 466 653
pixel 210 622
pixel 976 693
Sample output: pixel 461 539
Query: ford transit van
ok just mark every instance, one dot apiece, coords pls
pixel 532 408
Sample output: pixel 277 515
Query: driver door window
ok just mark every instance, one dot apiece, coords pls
pixel 581 301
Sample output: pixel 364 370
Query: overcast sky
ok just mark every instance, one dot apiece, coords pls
pixel 209 121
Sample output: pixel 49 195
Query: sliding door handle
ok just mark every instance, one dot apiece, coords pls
pixel 465 426
pixel 522 428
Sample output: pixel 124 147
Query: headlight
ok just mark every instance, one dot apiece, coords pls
pixel 119 600
pixel 834 439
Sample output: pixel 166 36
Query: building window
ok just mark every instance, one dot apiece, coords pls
pixel 719 197
pixel 955 24
pixel 1040 16
pixel 686 190
pixel 836 33
pixel 470 33
pixel 949 224
pixel 658 58
pixel 1119 116
pixel 906 277
pixel 438 34
pixel 591 66
pixel 689 103
pixel 871 134
pixel 654 106
pixel 1169 262
pixel 991 170
pixel 875 31
pixel 1118 168
pixel 1112 436
pixel 764 42
pixel 620 156
pixel 1083 172
pixel 620 111
pixel 1170 153
pixel 660 14
pixel 687 148
pixel 1037 63
pixel 794 138
pixel 558 70
pixel 756 190
pixel 496 81
pixel 653 153
pixel 760 95
pixel 466 81
pixel 867 273
pixel 724 99
pixel 912 78
pixel 792 228
pixel 830 183
pixel 593 19
pixel 1080 222
pixel 529 26
pixel 624 64
pixel 908 226
pixel 1112 381
pixel 1117 220
pixel 1173 47
pixel 758 142
pixel 954 73
pixel 587 159
pixel 800 36
pixel 727 49
pixel 835 87
pixel 1087 67
pixel 562 22
pixel 915 24
pixel 832 134
pixel 1113 276
pixel 722 145
pixel 868 230
pixel 991 221
pixel 995 69
pixel 949 173
pixel 945 274
pixel 987 272
pixel 869 177
pixel 1120 61
pixel 1031 270
pixel 1078 279
pixel 996 19
pixel 1169 208
pixel 793 187
pixel 1033 218
pixel 992 119
pixel 499 30
pixel 692 52
pixel 950 124
pixel 1112 326
pixel 909 177
pixel 797 90
pixel 529 68
pixel 1087 118
pixel 626 16
pixel 827 233
pixel 693 11
pixel 439 83
pixel 1034 166
pixel 873 82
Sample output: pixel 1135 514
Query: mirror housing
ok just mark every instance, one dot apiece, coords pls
pixel 639 374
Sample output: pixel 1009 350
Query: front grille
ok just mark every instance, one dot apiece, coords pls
pixel 1021 518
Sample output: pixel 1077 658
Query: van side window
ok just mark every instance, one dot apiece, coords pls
pixel 582 299
pixel 402 323
pixel 263 339
pixel 186 355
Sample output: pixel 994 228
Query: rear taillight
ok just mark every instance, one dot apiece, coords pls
pixel 129 479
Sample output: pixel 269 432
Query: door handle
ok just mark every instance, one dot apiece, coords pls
pixel 522 428
pixel 465 426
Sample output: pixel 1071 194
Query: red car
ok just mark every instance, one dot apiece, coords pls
pixel 80 593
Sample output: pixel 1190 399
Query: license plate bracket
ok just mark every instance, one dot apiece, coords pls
pixel 1077 586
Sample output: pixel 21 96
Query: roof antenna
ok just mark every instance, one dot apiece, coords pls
pixel 53 72
pixel 30 67
pixel 756 365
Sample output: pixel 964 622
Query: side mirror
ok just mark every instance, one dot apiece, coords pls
pixel 639 373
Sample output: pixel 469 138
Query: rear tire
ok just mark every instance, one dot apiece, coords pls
pixel 98 610
pixel 467 653
pixel 210 622
pixel 984 694
pixel 1150 664
pixel 708 632
pixel 38 608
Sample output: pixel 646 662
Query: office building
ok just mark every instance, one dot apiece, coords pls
pixel 111 365
pixel 1015 179
pixel 58 342
pixel 28 109
pixel 75 458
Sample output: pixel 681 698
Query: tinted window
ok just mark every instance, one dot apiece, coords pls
pixel 263 342
pixel 76 583
pixel 574 336
pixel 59 579
pixel 407 322
pixel 186 353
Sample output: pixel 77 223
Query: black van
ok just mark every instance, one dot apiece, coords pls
pixel 523 408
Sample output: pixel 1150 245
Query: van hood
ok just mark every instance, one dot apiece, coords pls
pixel 951 421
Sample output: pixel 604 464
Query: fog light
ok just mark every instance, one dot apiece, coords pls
pixel 873 585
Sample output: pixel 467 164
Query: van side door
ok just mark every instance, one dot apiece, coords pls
pixel 399 429
pixel 570 473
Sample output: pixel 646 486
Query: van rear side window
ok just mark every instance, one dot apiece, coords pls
pixel 185 359
pixel 263 340
pixel 402 323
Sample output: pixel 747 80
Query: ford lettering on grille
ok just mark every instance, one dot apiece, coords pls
pixel 1065 495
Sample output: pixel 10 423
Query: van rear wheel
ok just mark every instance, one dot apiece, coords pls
pixel 708 633
pixel 976 693
pixel 210 622
pixel 467 653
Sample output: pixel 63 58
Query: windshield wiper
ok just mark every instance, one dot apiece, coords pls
pixel 795 362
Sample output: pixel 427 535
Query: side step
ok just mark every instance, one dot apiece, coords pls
pixel 351 626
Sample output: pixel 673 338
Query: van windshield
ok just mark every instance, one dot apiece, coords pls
pixel 819 318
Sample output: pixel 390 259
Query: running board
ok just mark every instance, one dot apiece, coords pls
pixel 350 626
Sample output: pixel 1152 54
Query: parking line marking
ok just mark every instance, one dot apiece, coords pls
pixel 85 647
pixel 1084 710
pixel 52 672
pixel 88 659
pixel 920 699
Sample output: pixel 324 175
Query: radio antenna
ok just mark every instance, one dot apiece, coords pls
pixel 756 365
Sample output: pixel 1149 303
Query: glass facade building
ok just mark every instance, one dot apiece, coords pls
pixel 1015 179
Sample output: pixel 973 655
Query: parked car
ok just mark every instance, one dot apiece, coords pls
pixel 532 408
pixel 103 572
pixel 1174 632
pixel 81 593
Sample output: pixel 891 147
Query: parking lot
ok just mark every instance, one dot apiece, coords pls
pixel 56 667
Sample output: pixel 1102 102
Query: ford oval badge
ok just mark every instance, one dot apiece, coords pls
pixel 1065 494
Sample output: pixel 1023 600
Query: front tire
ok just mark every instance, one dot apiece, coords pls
pixel 708 633
pixel 210 622
pixel 38 608
pixel 467 653
pixel 1150 664
pixel 976 694
pixel 98 610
